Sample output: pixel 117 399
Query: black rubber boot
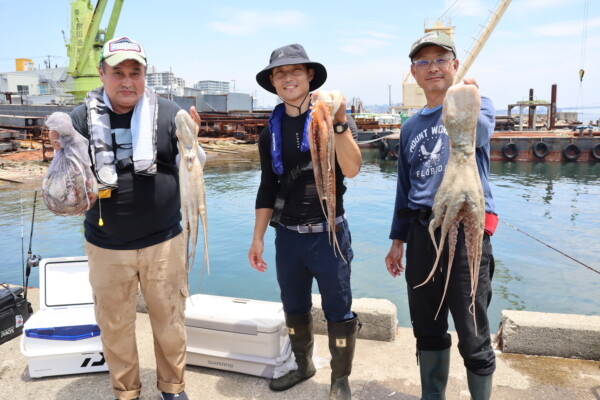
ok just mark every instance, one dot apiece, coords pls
pixel 342 342
pixel 434 367
pixel 300 329
pixel 479 386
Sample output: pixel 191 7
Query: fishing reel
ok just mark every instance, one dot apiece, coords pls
pixel 33 260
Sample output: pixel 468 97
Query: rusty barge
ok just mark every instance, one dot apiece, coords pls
pixel 558 145
pixel 24 124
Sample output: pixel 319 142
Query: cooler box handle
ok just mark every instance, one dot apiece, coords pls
pixel 66 333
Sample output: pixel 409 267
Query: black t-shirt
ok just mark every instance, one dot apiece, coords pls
pixel 302 202
pixel 143 210
pixel 121 136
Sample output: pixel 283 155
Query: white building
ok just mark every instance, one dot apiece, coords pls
pixel 163 79
pixel 212 87
pixel 41 86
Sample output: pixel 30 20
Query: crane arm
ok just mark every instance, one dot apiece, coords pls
pixel 90 37
pixel 114 17
pixel 480 42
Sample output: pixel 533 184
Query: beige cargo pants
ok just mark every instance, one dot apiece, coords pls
pixel 114 276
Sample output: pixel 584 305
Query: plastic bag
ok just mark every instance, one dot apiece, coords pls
pixel 69 186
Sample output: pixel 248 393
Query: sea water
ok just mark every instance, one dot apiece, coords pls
pixel 556 204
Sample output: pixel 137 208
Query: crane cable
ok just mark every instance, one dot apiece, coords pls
pixel 452 9
pixel 582 60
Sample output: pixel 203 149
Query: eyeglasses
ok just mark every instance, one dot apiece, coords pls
pixel 439 62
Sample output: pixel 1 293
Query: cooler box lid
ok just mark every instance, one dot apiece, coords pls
pixel 66 324
pixel 235 315
pixel 64 282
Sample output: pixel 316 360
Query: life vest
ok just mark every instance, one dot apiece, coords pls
pixel 275 129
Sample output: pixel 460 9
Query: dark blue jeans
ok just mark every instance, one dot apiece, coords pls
pixel 300 257
pixel 474 347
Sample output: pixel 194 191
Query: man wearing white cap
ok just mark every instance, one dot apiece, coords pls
pixel 133 232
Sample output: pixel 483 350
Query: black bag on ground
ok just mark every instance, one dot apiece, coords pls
pixel 14 311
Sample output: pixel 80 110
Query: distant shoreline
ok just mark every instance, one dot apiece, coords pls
pixel 28 165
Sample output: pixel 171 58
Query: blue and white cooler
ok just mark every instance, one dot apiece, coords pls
pixel 63 337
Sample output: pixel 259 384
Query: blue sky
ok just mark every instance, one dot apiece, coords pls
pixel 363 44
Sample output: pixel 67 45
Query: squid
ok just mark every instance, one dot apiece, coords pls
pixel 191 188
pixel 459 198
pixel 322 152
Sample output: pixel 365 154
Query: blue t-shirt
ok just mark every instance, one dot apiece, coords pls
pixel 422 158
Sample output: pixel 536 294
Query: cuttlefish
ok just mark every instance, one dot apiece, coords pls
pixel 322 151
pixel 459 199
pixel 191 188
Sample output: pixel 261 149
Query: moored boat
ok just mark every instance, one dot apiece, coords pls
pixel 389 146
pixel 371 138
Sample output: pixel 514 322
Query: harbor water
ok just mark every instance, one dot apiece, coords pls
pixel 555 203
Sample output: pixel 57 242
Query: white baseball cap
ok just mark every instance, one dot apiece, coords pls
pixel 115 51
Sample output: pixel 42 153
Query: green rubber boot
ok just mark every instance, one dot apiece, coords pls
pixel 342 343
pixel 435 368
pixel 301 336
pixel 479 386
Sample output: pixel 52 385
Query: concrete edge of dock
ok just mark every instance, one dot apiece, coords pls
pixel 521 332
pixel 550 335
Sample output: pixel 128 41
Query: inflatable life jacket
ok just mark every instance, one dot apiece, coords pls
pixel 275 130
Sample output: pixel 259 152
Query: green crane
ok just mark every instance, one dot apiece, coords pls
pixel 86 43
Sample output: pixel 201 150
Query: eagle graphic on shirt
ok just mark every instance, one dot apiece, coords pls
pixel 433 156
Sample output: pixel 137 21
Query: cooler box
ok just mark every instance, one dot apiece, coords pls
pixel 240 335
pixel 62 337
pixel 15 310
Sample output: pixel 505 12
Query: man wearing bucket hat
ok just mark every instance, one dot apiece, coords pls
pixel 287 200
pixel 133 232
pixel 434 66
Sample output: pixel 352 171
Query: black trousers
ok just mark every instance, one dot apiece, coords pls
pixel 474 347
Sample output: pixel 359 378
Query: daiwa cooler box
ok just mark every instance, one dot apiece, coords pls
pixel 239 335
pixel 14 311
pixel 62 337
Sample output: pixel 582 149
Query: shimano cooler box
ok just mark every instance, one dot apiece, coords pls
pixel 240 335
pixel 62 337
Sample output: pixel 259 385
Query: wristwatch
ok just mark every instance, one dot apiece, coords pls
pixel 340 128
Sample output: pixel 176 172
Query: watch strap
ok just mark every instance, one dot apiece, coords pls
pixel 340 128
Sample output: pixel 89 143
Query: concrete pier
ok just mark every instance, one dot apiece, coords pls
pixel 551 335
pixel 382 370
pixel 377 317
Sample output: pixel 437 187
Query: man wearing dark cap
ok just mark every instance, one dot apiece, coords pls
pixel 424 152
pixel 287 200
pixel 133 232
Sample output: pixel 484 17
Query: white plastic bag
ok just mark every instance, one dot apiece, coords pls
pixel 69 186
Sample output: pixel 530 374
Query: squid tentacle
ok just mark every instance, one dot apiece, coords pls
pixel 191 189
pixel 322 150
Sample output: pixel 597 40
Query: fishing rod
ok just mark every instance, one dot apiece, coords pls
pixel 22 242
pixel 553 248
pixel 33 260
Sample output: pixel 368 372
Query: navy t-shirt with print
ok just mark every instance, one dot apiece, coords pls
pixel 422 158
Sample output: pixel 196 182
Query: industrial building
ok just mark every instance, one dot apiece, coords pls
pixel 38 86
